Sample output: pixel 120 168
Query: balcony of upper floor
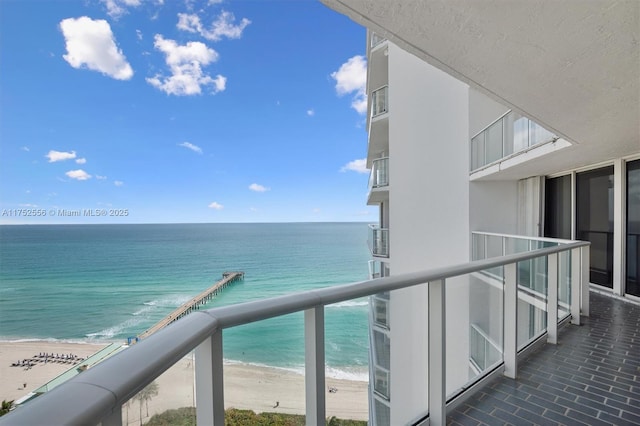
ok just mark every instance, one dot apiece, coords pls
pixel 377 63
pixel 378 181
pixel 378 107
pixel 375 40
pixel 378 241
pixel 379 269
pixel 508 143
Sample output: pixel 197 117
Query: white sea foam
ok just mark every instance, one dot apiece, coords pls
pixel 357 374
pixel 110 332
pixel 169 301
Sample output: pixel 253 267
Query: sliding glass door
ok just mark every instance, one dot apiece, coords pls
pixel 557 207
pixel 594 221
pixel 633 228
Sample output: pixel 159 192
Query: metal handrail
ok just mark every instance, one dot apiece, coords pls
pixel 99 393
pixel 484 129
pixel 524 237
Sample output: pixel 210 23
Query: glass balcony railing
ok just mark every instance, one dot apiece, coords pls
pixel 379 100
pixel 484 352
pixel 379 241
pixel 510 134
pixel 379 176
pixel 531 277
pixel 376 39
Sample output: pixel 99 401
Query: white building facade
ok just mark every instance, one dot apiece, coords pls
pixel 451 165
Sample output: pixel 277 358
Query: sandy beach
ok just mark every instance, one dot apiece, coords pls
pixel 246 386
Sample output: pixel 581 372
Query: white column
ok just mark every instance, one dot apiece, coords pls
pixel 619 225
pixel 576 285
pixel 437 354
pixel 584 286
pixel 510 349
pixel 209 382
pixel 314 377
pixel 552 298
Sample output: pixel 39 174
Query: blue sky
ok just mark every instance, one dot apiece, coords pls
pixel 181 111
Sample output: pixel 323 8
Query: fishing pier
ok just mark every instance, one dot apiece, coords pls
pixel 195 303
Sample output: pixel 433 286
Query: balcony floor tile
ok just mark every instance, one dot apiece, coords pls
pixel 591 377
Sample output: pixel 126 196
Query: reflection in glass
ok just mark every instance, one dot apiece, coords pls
pixel 594 198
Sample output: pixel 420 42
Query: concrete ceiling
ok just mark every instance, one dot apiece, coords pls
pixel 573 65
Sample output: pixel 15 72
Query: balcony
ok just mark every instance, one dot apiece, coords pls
pixel 376 40
pixel 378 269
pixel 379 181
pixel 99 394
pixel 378 241
pixel 379 101
pixel 506 137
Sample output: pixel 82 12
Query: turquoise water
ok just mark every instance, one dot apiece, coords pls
pixel 108 282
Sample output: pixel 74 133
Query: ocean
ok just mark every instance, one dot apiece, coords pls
pixel 105 283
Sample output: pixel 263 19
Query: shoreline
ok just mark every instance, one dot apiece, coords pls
pixel 247 386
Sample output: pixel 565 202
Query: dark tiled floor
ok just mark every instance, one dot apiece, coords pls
pixel 592 377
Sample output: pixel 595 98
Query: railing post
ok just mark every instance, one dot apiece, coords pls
pixel 510 321
pixel 585 251
pixel 314 377
pixel 576 284
pixel 552 298
pixel 437 354
pixel 209 381
pixel 114 419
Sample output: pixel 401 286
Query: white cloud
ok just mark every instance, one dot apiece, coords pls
pixel 78 174
pixel 139 34
pixel 351 78
pixel 210 2
pixel 28 205
pixel 192 147
pixel 25 148
pixel 311 112
pixel 222 26
pixel 258 188
pixel 186 62
pixel 117 8
pixel 216 206
pixel 54 156
pixel 90 44
pixel 101 177
pixel 118 182
pixel 359 166
pixel 81 160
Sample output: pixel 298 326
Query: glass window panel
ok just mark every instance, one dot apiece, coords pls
pixel 594 198
pixel 633 228
pixel 557 215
